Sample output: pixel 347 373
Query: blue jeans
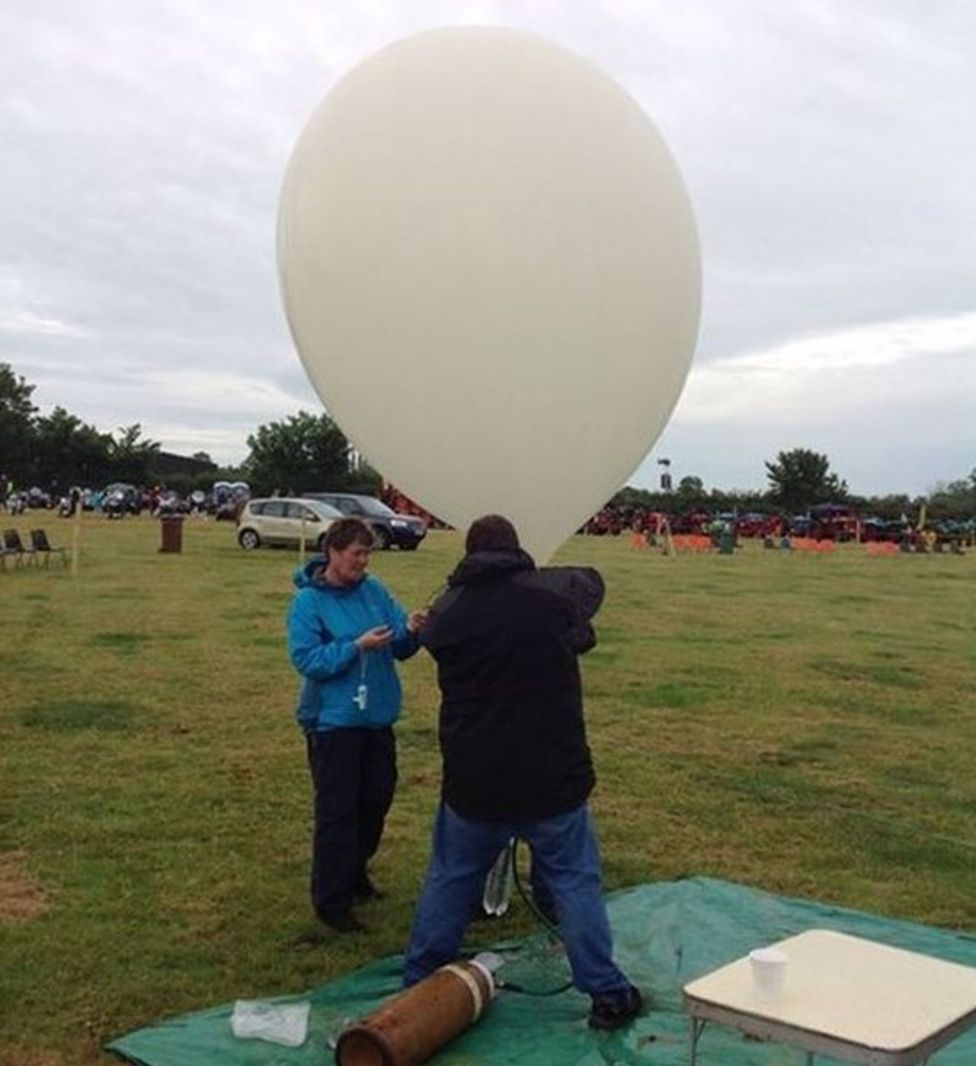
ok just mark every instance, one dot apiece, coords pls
pixel 566 860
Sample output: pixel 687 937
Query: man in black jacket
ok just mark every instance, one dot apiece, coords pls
pixel 506 637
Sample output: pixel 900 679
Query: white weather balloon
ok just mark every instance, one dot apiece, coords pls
pixel 491 272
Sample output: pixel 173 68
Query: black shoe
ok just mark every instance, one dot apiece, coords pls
pixel 342 921
pixel 366 891
pixel 615 1012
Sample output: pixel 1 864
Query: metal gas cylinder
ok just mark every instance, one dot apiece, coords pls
pixel 410 1027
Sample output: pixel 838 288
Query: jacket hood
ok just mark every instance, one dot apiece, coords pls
pixel 304 577
pixel 490 566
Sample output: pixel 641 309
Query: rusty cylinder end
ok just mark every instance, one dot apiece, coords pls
pixel 361 1046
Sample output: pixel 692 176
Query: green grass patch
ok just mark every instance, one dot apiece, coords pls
pixel 121 640
pixel 805 725
pixel 895 676
pixel 69 715
pixel 666 694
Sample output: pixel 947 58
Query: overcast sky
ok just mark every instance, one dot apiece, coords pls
pixel 829 147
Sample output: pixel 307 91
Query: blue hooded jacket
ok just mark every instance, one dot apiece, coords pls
pixel 324 622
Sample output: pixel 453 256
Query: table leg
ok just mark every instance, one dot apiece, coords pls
pixel 697 1025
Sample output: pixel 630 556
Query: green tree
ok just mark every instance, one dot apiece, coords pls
pixel 890 507
pixel 304 453
pixel 956 499
pixel 68 452
pixel 692 487
pixel 16 424
pixel 364 479
pixel 800 478
pixel 131 459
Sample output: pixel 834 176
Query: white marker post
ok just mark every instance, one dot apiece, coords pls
pixel 76 538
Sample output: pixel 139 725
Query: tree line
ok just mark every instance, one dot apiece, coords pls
pixel 307 453
pixel 302 453
pixel 799 479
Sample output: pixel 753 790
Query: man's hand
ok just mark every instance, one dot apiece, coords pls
pixel 374 638
pixel 417 621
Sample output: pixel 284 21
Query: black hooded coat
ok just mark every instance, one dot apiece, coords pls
pixel 506 637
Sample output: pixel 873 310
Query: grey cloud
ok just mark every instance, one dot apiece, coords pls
pixel 828 149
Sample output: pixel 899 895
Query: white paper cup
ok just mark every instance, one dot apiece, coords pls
pixel 768 973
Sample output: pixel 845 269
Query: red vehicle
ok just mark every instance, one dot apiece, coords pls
pixel 691 522
pixel 754 524
pixel 833 521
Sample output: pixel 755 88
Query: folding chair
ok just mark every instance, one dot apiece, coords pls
pixel 40 545
pixel 15 546
pixel 6 552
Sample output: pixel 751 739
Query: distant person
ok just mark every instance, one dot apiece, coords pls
pixel 785 536
pixel 344 632
pixel 516 763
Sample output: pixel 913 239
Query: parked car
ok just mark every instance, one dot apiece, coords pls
pixel 227 498
pixel 170 503
pixel 120 499
pixel 693 521
pixel 389 528
pixel 757 524
pixel 38 499
pixel 278 520
pixel 833 521
pixel 893 530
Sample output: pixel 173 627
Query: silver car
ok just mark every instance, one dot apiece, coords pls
pixel 280 520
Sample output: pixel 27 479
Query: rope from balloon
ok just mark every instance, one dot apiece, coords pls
pixel 543 920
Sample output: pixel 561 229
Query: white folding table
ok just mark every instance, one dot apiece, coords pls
pixel 850 998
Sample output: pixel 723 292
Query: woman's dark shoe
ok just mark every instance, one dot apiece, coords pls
pixel 366 891
pixel 342 921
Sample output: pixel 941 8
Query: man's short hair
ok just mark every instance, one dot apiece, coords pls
pixel 491 533
pixel 346 531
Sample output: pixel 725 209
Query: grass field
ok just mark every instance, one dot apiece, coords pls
pixel 805 724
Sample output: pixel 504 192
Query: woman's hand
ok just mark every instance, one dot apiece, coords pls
pixel 417 620
pixel 374 638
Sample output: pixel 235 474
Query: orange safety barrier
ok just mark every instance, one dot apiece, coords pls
pixel 808 544
pixel 637 540
pixel 691 542
pixel 881 547
pixel 811 545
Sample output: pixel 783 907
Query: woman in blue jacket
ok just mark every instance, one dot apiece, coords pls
pixel 344 632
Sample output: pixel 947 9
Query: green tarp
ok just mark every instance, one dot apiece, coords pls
pixel 665 935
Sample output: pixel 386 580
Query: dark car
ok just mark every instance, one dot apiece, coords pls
pixel 875 529
pixel 389 528
pixel 120 499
